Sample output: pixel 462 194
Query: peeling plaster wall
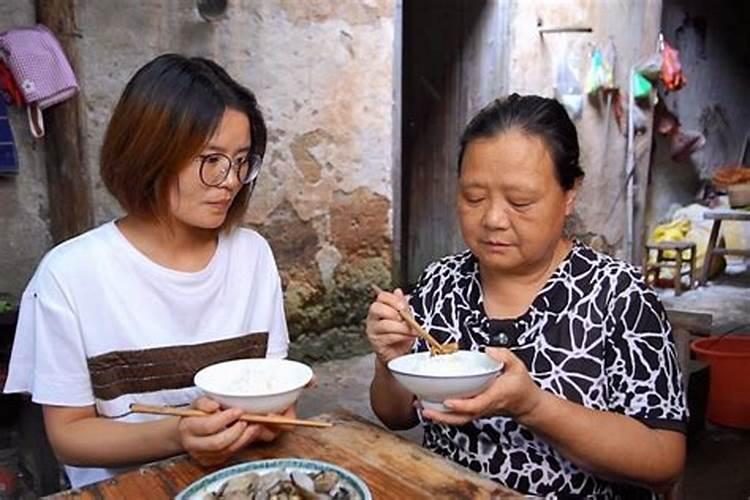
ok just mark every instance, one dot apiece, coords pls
pixel 23 198
pixel 323 73
pixel 634 28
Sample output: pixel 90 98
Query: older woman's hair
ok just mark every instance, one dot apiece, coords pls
pixel 165 116
pixel 536 116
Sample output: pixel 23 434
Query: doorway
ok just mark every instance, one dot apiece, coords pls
pixel 454 61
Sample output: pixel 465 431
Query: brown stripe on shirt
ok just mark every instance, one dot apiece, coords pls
pixel 118 373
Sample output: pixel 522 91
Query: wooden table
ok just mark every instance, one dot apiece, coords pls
pixel 392 467
pixel 718 216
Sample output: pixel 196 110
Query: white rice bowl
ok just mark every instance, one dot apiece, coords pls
pixel 433 379
pixel 257 385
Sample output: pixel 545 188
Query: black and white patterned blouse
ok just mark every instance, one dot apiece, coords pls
pixel 595 335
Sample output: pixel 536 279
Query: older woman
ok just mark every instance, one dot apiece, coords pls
pixel 590 400
pixel 129 311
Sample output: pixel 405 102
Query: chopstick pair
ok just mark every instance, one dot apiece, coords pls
pixel 247 417
pixel 435 346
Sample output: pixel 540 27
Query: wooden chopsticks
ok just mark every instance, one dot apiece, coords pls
pixel 435 346
pixel 247 417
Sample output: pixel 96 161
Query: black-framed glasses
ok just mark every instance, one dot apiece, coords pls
pixel 215 168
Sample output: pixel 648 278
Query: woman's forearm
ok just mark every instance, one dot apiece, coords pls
pixel 608 444
pixel 390 401
pixel 99 442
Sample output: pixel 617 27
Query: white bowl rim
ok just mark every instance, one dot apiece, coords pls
pixel 483 373
pixel 308 374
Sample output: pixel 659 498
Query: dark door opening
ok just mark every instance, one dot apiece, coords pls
pixel 454 61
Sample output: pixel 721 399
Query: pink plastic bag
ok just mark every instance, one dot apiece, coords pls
pixel 40 68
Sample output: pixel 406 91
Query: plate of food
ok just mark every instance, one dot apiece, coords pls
pixel 290 478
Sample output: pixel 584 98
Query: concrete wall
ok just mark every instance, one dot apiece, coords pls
pixel 323 74
pixel 24 234
pixel 633 27
pixel 715 55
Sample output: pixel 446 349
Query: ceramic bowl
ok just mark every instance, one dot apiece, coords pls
pixel 259 385
pixel 433 379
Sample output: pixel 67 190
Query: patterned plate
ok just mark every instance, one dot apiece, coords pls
pixel 210 483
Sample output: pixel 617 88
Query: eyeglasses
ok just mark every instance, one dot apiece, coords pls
pixel 215 168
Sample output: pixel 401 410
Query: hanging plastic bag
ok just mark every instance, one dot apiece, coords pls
pixel 567 87
pixel 597 73
pixel 609 59
pixel 671 69
pixel 601 71
pixel 650 67
pixel 641 86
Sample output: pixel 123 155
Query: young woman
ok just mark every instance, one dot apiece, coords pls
pixel 590 403
pixel 130 310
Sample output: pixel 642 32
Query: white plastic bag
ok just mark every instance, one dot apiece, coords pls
pixel 568 89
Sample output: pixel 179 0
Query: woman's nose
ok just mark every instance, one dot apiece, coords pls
pixel 231 181
pixel 496 216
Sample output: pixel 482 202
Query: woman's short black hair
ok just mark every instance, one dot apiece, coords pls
pixel 536 116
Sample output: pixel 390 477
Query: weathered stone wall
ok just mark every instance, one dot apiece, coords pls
pixel 323 73
pixel 24 233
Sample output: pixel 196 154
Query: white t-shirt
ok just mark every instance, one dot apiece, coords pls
pixel 102 324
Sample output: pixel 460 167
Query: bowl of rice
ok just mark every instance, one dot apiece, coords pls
pixel 433 379
pixel 258 385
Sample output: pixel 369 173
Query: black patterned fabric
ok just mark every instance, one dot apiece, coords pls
pixel 595 334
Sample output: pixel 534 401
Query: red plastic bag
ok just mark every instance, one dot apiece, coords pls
pixel 671 69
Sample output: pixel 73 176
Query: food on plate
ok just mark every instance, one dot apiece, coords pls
pixel 284 485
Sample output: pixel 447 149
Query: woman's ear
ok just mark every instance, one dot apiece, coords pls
pixel 570 198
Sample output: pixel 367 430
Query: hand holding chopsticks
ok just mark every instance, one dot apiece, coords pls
pixel 434 346
pixel 254 419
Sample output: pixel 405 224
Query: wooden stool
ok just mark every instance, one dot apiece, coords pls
pixel 668 262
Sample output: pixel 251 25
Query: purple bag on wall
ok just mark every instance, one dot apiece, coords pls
pixel 40 68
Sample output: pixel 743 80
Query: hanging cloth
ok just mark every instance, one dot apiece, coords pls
pixel 40 68
pixel 684 143
pixel 9 88
pixel 8 155
pixel 666 122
